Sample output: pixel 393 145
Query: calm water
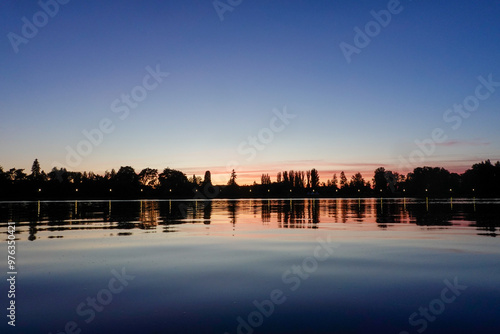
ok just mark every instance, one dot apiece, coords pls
pixel 255 266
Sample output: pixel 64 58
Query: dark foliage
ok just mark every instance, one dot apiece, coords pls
pixel 482 180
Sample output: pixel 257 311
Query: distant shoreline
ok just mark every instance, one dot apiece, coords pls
pixel 134 199
pixel 481 181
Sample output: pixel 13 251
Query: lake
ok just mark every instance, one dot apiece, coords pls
pixel 254 266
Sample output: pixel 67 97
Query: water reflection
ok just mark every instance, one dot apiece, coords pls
pixel 32 218
pixel 297 214
pixel 231 209
pixel 207 212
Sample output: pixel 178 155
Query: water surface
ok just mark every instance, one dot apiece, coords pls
pixel 261 266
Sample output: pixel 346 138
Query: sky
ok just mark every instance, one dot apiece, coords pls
pixel 258 86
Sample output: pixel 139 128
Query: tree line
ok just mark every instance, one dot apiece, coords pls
pixel 482 180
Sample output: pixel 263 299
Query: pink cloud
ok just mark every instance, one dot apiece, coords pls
pixel 463 143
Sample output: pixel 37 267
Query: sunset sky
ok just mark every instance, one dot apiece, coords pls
pixel 99 69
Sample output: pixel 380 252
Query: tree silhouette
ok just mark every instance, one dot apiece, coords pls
pixel 207 181
pixel 265 179
pixel 195 180
pixel 291 178
pixel 208 178
pixel 393 181
pixel 299 179
pixel 173 181
pixel 314 178
pixel 335 181
pixel 481 180
pixel 60 175
pixel 483 177
pixel 4 183
pixel 19 175
pixel 35 170
pixel 149 177
pixel 437 181
pixel 357 182
pixel 379 180
pixel 286 181
pixel 232 179
pixel 126 175
pixel 126 181
pixel 343 180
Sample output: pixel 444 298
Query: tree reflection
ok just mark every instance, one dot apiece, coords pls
pixel 207 211
pixel 265 211
pixel 37 218
pixel 430 215
pixel 172 211
pixel 232 208
pixel 298 213
pixel 149 215
pixel 389 212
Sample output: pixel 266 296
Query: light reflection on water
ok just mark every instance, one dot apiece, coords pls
pixel 199 265
pixel 52 218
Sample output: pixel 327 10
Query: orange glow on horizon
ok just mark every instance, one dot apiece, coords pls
pixel 249 174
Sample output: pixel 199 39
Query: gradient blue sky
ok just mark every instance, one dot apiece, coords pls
pixel 227 77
